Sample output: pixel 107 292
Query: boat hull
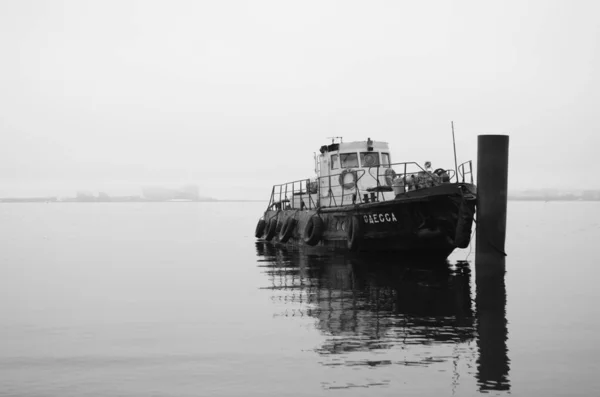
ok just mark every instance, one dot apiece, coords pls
pixel 428 222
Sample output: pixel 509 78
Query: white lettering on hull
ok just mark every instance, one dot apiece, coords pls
pixel 380 218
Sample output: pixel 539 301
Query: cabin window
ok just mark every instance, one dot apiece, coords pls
pixel 335 162
pixel 349 160
pixel 385 159
pixel 369 159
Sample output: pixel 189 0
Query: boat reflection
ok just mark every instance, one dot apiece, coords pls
pixel 376 311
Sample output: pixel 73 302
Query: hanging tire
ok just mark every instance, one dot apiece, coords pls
pixel 313 231
pixel 462 234
pixel 354 233
pixel 287 230
pixel 271 229
pixel 260 228
pixel 278 227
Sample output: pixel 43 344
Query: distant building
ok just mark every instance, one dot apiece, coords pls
pixel 84 196
pixel 590 195
pixel 103 197
pixel 189 193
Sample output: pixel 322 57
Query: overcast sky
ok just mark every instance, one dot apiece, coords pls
pixel 237 96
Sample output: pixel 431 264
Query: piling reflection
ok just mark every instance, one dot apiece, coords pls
pixel 492 329
pixel 380 311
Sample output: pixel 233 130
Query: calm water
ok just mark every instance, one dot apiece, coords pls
pixel 178 299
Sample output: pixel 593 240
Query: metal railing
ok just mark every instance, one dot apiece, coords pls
pixel 406 174
pixel 307 194
pixel 463 173
pixel 327 191
pixel 298 191
pixel 349 195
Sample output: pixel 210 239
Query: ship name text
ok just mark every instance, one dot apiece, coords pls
pixel 380 218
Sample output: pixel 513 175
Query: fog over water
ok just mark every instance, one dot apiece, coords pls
pixel 223 99
pixel 236 96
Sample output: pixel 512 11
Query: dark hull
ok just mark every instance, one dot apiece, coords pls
pixel 427 222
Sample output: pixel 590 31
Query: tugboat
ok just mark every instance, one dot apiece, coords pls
pixel 360 200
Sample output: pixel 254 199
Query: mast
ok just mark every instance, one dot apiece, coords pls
pixel 454 144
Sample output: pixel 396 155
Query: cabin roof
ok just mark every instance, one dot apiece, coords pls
pixel 355 145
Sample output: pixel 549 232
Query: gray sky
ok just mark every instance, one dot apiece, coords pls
pixel 236 96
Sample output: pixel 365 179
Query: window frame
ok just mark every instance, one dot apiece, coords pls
pixel 389 160
pixel 346 155
pixel 363 154
pixel 335 158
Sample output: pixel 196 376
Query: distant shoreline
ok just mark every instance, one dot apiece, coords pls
pixel 38 201
pixel 551 199
pixel 34 201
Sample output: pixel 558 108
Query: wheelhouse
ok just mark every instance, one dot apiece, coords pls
pixel 362 154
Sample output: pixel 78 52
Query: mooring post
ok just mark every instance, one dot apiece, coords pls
pixel 492 185
pixel 490 261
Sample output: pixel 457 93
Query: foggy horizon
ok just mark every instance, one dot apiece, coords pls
pixel 257 280
pixel 236 97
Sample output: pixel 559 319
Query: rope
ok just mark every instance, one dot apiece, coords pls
pixel 471 239
pixel 488 241
pixel 496 248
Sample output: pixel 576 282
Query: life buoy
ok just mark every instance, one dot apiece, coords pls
pixel 390 174
pixel 271 229
pixel 313 231
pixel 342 179
pixel 260 228
pixel 354 233
pixel 287 230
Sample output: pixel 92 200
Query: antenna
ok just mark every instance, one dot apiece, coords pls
pixel 454 144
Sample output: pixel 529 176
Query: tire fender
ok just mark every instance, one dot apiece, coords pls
pixel 287 230
pixel 462 234
pixel 354 233
pixel 313 231
pixel 260 228
pixel 271 229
